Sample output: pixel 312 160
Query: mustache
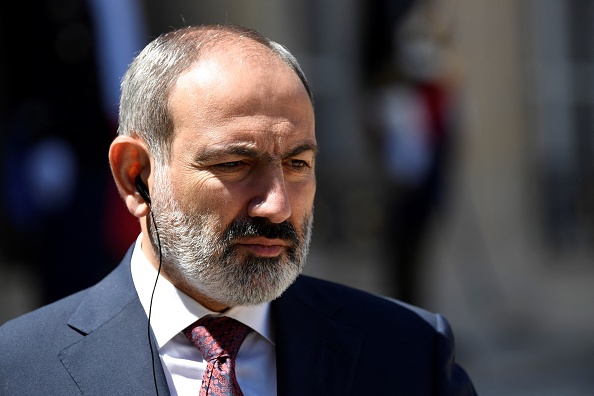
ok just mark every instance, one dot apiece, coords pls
pixel 258 226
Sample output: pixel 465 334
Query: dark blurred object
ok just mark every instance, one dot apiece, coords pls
pixel 55 138
pixel 381 16
pixel 411 122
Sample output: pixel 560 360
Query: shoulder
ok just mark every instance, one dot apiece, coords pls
pixel 30 346
pixel 106 296
pixel 358 302
pixel 45 320
pixel 32 343
pixel 420 342
pixel 52 323
pixel 384 320
pixel 57 314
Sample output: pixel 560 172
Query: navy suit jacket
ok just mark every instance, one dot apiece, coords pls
pixel 330 340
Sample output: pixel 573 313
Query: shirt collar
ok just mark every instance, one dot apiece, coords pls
pixel 172 310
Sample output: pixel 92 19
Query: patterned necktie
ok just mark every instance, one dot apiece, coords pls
pixel 219 339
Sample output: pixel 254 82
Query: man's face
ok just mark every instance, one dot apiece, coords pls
pixel 234 205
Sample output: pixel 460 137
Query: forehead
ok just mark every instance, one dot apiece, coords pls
pixel 244 71
pixel 241 91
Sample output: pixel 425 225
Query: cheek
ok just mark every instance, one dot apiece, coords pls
pixel 208 195
pixel 302 200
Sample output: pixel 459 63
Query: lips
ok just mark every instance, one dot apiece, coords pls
pixel 261 246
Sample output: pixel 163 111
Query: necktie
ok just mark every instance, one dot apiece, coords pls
pixel 218 339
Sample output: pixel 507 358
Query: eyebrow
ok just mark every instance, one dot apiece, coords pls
pixel 248 151
pixel 308 146
pixel 240 149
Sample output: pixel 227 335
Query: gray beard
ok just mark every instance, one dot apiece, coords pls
pixel 199 256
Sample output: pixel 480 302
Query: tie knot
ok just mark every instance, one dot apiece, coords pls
pixel 217 337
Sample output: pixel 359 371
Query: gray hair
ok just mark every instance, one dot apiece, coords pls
pixel 146 85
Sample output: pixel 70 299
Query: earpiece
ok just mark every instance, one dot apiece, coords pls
pixel 142 189
pixel 144 193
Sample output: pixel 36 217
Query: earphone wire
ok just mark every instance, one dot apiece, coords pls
pixel 150 338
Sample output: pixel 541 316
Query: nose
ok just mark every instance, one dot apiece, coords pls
pixel 271 199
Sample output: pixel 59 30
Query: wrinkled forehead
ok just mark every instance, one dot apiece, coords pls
pixel 242 87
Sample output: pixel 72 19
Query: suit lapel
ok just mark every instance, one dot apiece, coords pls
pixel 314 354
pixel 113 356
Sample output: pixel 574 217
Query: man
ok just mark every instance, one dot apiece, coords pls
pixel 216 156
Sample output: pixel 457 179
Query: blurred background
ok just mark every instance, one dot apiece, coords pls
pixel 454 172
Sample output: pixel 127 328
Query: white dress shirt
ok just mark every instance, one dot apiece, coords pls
pixel 172 311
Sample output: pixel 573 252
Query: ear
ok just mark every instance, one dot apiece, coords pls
pixel 128 158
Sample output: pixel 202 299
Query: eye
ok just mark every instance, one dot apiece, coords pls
pixel 228 166
pixel 231 164
pixel 298 163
